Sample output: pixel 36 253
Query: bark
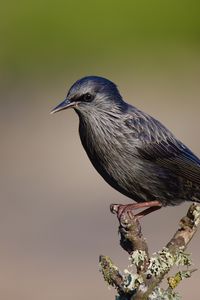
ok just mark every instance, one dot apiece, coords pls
pixel 145 283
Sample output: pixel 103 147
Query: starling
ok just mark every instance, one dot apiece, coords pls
pixel 132 151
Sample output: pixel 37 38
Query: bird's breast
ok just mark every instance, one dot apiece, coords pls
pixel 110 153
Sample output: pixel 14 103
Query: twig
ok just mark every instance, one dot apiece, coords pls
pixel 131 238
pixel 149 271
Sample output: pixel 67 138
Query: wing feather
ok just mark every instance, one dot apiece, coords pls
pixel 157 144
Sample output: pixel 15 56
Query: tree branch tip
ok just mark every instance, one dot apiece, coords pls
pixel 111 273
pixel 173 281
pixel 144 283
pixel 194 213
pixel 189 223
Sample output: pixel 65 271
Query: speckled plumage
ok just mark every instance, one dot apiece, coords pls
pixel 131 150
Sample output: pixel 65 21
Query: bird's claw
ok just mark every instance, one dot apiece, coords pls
pixel 126 211
pixel 123 212
pixel 114 208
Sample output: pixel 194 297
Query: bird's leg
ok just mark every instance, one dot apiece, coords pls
pixel 147 211
pixel 121 209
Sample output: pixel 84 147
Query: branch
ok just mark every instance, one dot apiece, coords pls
pixel 144 284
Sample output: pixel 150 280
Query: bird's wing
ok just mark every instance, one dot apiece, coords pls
pixel 157 144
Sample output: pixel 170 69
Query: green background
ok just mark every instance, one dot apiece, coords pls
pixel 43 37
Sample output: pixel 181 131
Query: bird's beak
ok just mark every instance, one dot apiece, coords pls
pixel 63 105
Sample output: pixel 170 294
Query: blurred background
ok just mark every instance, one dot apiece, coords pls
pixel 54 207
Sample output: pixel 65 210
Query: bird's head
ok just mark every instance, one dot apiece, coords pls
pixel 91 93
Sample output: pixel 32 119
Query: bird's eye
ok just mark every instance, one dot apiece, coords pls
pixel 87 97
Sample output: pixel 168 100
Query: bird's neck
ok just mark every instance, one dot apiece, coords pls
pixel 100 132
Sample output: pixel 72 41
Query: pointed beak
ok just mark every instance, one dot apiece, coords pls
pixel 63 105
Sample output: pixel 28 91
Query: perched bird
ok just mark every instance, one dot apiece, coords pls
pixel 131 150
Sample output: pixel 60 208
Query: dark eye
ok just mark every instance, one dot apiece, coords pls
pixel 87 97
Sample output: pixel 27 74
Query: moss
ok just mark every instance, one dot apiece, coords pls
pixel 132 281
pixel 173 281
pixel 164 260
pixel 138 257
pixel 143 282
pixel 160 263
pixel 182 259
pixel 160 294
pixel 109 270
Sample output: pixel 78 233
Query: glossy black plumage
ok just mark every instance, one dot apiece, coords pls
pixel 131 150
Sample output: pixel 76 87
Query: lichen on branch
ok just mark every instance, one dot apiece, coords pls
pixel 142 278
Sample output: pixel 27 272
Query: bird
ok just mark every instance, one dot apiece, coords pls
pixel 133 152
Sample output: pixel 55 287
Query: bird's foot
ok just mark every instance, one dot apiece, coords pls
pixel 127 209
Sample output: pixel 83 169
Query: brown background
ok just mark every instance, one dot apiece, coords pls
pixel 54 216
